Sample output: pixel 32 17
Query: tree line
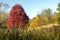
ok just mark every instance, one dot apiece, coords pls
pixel 44 18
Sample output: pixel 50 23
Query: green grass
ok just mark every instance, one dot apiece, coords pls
pixel 52 33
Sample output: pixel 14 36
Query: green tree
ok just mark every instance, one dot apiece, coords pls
pixel 0 7
pixel 47 13
pixel 4 6
pixel 44 20
pixel 58 9
pixel 56 15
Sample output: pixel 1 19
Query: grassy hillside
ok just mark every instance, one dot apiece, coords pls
pixel 52 33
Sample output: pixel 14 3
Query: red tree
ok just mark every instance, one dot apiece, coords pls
pixel 17 17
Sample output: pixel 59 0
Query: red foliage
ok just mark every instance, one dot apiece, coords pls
pixel 17 17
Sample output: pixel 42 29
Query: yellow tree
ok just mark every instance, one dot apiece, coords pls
pixel 35 22
pixel 3 16
pixel 3 19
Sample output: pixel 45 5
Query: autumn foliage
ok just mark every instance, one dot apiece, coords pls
pixel 17 17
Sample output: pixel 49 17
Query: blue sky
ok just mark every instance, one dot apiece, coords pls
pixel 33 7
